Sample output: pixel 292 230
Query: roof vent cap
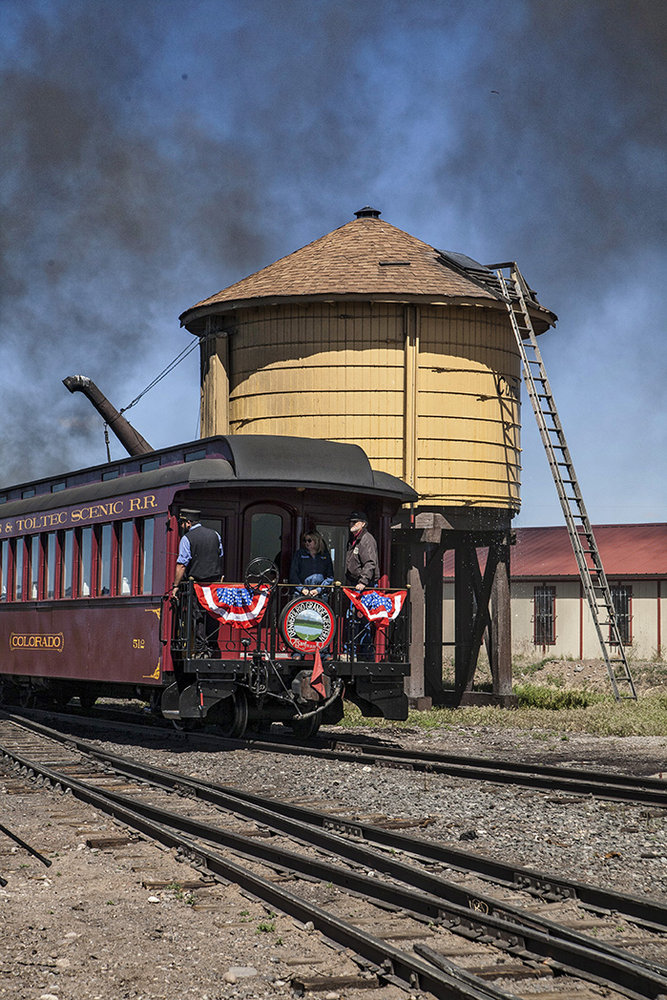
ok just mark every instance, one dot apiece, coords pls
pixel 368 213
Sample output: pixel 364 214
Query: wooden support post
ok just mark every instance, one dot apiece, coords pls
pixel 414 683
pixel 464 608
pixel 501 619
pixel 433 613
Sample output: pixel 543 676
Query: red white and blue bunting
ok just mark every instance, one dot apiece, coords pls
pixel 377 607
pixel 235 605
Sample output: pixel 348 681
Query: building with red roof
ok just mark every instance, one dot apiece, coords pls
pixel 550 615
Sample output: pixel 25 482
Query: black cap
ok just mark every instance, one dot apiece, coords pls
pixel 358 515
pixel 188 514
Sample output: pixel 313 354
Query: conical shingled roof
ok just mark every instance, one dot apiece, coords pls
pixel 366 259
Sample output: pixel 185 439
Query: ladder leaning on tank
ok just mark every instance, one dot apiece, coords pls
pixel 515 290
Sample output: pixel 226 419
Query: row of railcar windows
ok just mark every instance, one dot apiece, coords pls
pixel 106 560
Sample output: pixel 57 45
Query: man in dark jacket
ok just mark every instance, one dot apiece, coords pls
pixel 361 571
pixel 200 558
pixel 361 560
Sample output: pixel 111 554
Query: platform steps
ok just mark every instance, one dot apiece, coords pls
pixel 594 582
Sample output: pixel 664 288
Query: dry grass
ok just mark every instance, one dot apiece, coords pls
pixel 554 698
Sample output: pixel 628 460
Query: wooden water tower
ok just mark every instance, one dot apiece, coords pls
pixel 370 336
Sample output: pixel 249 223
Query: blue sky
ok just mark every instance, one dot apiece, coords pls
pixel 156 151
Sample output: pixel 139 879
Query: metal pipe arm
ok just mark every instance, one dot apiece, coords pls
pixel 131 440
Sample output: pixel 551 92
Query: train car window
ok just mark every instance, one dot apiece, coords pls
pixel 154 463
pixel 28 493
pixel 3 498
pixel 85 561
pixel 18 569
pixel 266 536
pixel 194 456
pixel 146 556
pixel 105 556
pixel 110 474
pixel 57 487
pixel 4 568
pixel 336 538
pixel 67 563
pixel 34 547
pixel 125 557
pixel 50 575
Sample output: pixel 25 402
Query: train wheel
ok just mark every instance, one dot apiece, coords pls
pixel 184 725
pixel 26 697
pixel 259 727
pixel 87 699
pixel 8 693
pixel 305 729
pixel 232 715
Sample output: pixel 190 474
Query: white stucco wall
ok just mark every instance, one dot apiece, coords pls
pixel 649 620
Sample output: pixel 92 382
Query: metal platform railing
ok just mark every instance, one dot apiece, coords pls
pixel 355 638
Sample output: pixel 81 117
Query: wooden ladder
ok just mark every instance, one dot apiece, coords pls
pixel 515 291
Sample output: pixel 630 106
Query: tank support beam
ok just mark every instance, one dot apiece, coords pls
pixel 482 611
pixel 474 593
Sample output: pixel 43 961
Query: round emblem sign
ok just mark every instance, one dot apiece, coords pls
pixel 307 624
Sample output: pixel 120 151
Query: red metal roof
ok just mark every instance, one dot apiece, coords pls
pixel 626 550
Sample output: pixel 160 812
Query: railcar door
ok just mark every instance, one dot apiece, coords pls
pixel 268 531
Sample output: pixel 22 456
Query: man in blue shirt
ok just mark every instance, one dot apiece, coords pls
pixel 200 557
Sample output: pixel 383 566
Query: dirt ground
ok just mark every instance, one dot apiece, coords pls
pixel 649 677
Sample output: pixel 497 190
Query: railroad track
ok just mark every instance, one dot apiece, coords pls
pixel 434 913
pixel 615 786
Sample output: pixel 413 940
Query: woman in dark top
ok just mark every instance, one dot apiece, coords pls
pixel 311 566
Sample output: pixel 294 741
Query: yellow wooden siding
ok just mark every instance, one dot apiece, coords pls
pixel 468 423
pixel 338 371
pixel 333 372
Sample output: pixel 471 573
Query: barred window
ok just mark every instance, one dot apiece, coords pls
pixel 621 598
pixel 544 616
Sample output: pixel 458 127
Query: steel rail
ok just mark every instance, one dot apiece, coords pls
pixel 506 926
pixel 638 789
pixel 649 913
pixel 645 791
pixel 520 767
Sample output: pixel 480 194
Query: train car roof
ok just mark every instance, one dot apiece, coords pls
pixel 250 458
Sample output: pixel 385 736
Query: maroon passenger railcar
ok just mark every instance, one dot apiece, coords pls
pixel 87 560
